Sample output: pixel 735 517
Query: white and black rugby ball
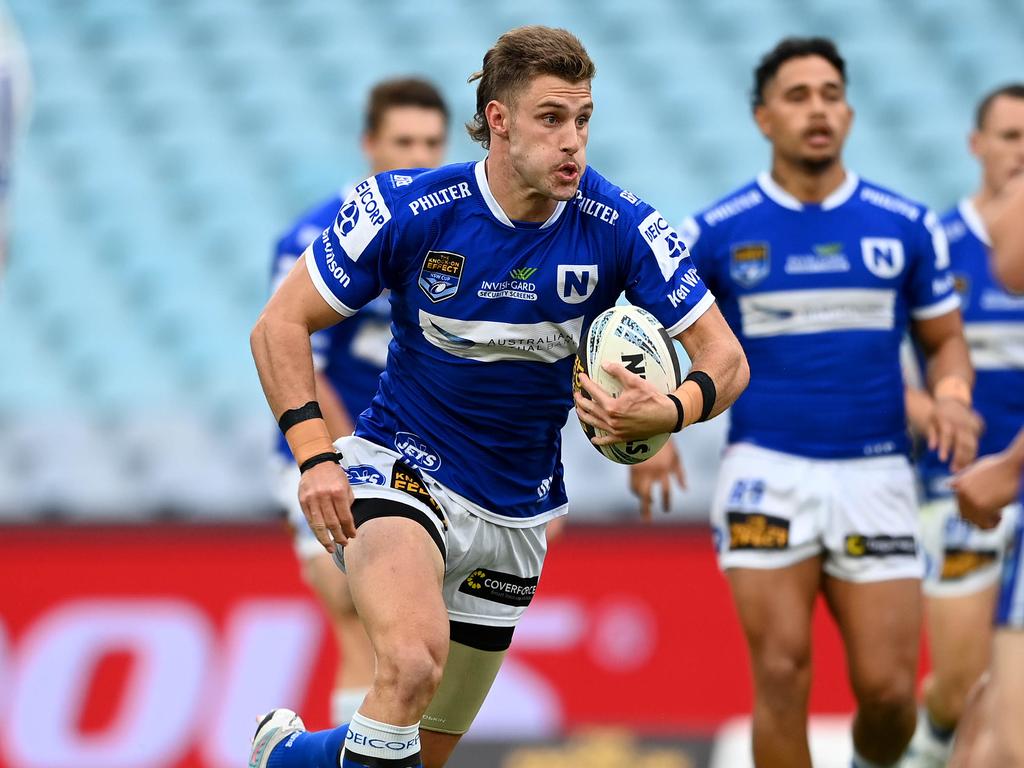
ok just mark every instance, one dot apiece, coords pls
pixel 633 337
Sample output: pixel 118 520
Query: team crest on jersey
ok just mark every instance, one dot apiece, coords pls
pixel 883 256
pixel 750 263
pixel 440 275
pixel 576 282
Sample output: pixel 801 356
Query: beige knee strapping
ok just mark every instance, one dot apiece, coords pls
pixel 468 676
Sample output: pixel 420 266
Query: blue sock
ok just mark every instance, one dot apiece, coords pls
pixel 316 749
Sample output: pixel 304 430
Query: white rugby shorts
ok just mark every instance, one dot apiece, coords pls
pixel 960 558
pixel 491 570
pixel 773 509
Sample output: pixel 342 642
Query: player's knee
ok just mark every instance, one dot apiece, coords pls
pixel 411 671
pixel 951 690
pixel 886 695
pixel 783 674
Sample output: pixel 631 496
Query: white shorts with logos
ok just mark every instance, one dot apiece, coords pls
pixel 286 493
pixel 491 570
pixel 962 559
pixel 773 509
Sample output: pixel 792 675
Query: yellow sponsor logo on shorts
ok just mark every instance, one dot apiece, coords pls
pixel 757 531
pixel 958 563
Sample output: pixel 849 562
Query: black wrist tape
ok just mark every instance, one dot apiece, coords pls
pixel 679 413
pixel 707 389
pixel 289 419
pixel 320 458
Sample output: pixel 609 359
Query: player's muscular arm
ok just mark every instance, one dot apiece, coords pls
pixel 1005 221
pixel 339 420
pixel 954 428
pixel 284 361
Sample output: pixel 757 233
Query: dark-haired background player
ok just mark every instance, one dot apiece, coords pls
pixel 405 126
pixel 819 273
pixel 495 268
pixel 965 562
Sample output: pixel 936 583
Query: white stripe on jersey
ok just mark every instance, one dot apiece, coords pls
pixel 996 346
pixel 937 309
pixel 784 313
pixel 489 341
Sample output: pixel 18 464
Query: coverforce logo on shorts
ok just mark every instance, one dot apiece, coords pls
pixel 362 216
pixel 500 587
pixel 750 530
pixel 440 275
pixel 417 453
pixel 858 545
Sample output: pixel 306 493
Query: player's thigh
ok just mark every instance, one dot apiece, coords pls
pixel 330 585
pixel 775 607
pixel 766 509
pixel 1007 681
pixel 880 622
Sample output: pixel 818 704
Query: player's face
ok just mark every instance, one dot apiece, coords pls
pixel 999 144
pixel 805 114
pixel 549 124
pixel 407 137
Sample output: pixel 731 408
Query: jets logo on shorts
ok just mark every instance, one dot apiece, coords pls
pixel 364 474
pixel 347 219
pixel 440 275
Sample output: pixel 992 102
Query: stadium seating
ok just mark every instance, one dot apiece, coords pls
pixel 171 141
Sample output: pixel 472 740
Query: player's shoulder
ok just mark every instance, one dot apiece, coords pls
pixel 954 224
pixel 595 188
pixel 429 187
pixel 738 203
pixel 882 201
pixel 309 224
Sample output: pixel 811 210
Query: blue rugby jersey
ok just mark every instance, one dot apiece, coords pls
pixel 820 297
pixel 487 315
pixel 994 327
pixel 351 355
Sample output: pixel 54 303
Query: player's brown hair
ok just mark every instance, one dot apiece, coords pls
pixel 518 56
pixel 402 92
pixel 1013 91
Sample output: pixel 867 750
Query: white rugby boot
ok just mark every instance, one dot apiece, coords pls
pixel 274 727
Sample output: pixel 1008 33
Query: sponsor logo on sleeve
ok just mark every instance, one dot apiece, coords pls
pixel 752 530
pixel 440 275
pixel 361 217
pixel 500 587
pixel 576 282
pixel 364 474
pixel 664 243
pixel 419 455
pixel 687 283
pixel 750 263
pixel 859 545
pixel 401 179
pixel 883 256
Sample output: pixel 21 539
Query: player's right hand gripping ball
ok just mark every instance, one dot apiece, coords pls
pixel 633 337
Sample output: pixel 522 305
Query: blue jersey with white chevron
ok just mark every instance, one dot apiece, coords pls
pixel 994 327
pixel 351 355
pixel 487 315
pixel 820 297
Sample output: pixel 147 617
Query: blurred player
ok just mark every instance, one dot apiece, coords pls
pixel 406 126
pixel 495 268
pixel 820 273
pixel 964 562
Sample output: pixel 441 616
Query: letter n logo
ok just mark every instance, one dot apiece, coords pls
pixel 576 282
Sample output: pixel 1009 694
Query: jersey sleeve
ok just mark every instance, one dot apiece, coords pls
pixel 348 260
pixel 932 290
pixel 661 277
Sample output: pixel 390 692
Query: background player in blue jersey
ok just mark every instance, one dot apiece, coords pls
pixel 495 269
pixel 406 126
pixel 964 562
pixel 819 273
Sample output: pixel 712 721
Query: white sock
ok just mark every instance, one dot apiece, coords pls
pixel 345 703
pixel 368 738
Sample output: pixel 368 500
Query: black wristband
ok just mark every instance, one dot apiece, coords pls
pixel 289 419
pixel 679 413
pixel 320 458
pixel 707 389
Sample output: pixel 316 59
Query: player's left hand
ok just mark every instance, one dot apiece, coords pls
pixel 984 488
pixel 640 411
pixel 953 432
pixel 657 470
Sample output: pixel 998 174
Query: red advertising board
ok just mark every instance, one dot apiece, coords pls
pixel 157 646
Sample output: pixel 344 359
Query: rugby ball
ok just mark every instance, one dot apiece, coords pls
pixel 633 337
